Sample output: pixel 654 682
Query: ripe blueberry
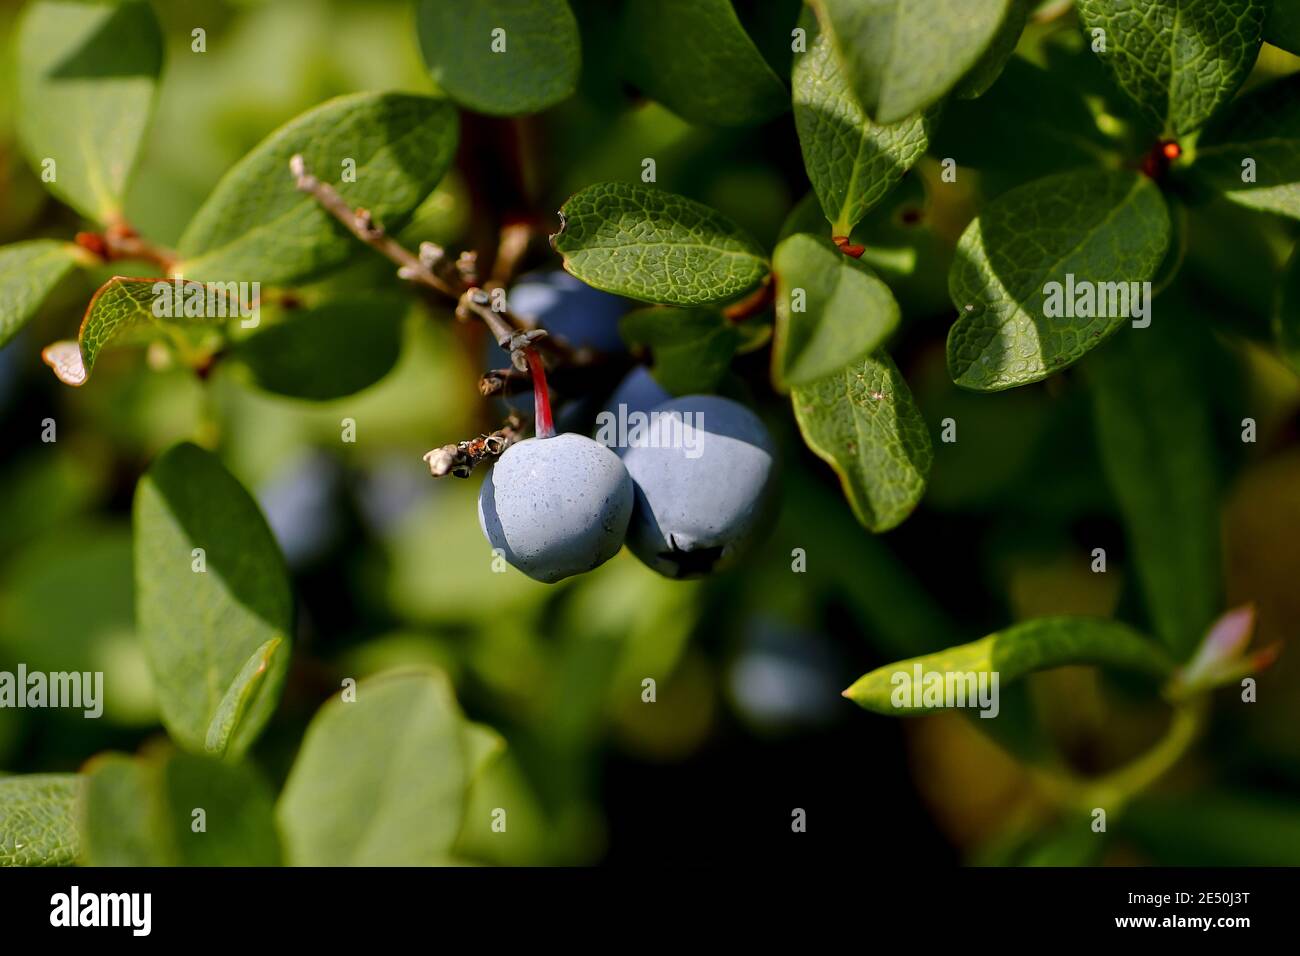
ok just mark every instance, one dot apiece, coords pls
pixel 570 309
pixel 705 482
pixel 556 506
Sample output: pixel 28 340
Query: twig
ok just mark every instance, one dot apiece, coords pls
pixel 461 458
pixel 362 225
pixel 120 241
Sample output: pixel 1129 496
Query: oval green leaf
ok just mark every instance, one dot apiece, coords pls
pixel 695 57
pixel 1251 154
pixel 1179 60
pixel 29 271
pixel 1034 645
pixel 831 310
pixel 1155 433
pixel 381 151
pixel 901 56
pixel 643 243
pixel 851 161
pixel 380 780
pixel 38 819
pixel 327 351
pixel 86 75
pixel 140 811
pixel 126 311
pixel 692 348
pixel 863 422
pixel 202 615
pixel 503 57
pixel 1109 230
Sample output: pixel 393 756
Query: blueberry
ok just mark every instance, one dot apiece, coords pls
pixel 556 506
pixel 570 309
pixel 705 477
pixel 638 392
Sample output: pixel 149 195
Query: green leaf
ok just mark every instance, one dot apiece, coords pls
pixel 1011 653
pixel 1282 27
pixel 203 629
pixel 86 75
pixel 330 350
pixel 989 67
pixel 29 271
pixel 1257 138
pixel 863 422
pixel 122 312
pixel 257 226
pixel 174 809
pixel 531 64
pixel 38 819
pixel 901 56
pixel 1097 226
pixel 638 241
pixel 695 57
pixel 1218 828
pixel 381 780
pixel 1286 320
pixel 692 347
pixel 831 310
pixel 1180 60
pixel 851 161
pixel 1156 439
pixel 124 822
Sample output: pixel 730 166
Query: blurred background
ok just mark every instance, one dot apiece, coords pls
pixel 390 567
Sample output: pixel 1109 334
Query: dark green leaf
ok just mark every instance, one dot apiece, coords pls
pixel 38 820
pixel 1217 828
pixel 172 809
pixel 1286 322
pixel 325 352
pixel 257 226
pixel 28 272
pixel 1180 60
pixel 201 628
pixel 901 56
pixel 695 58
pixel 86 77
pixel 1154 429
pixel 532 63
pixel 126 311
pixel 1282 28
pixel 381 780
pixel 851 161
pixel 1030 646
pixel 692 348
pixel 1042 111
pixel 989 67
pixel 1251 153
pixel 863 422
pixel 831 310
pixel 641 242
pixel 1099 227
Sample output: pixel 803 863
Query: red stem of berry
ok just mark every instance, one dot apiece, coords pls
pixel 545 427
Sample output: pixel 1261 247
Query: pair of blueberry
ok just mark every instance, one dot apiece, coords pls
pixel 564 505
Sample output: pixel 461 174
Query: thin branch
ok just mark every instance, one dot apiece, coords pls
pixel 362 225
pixel 461 458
